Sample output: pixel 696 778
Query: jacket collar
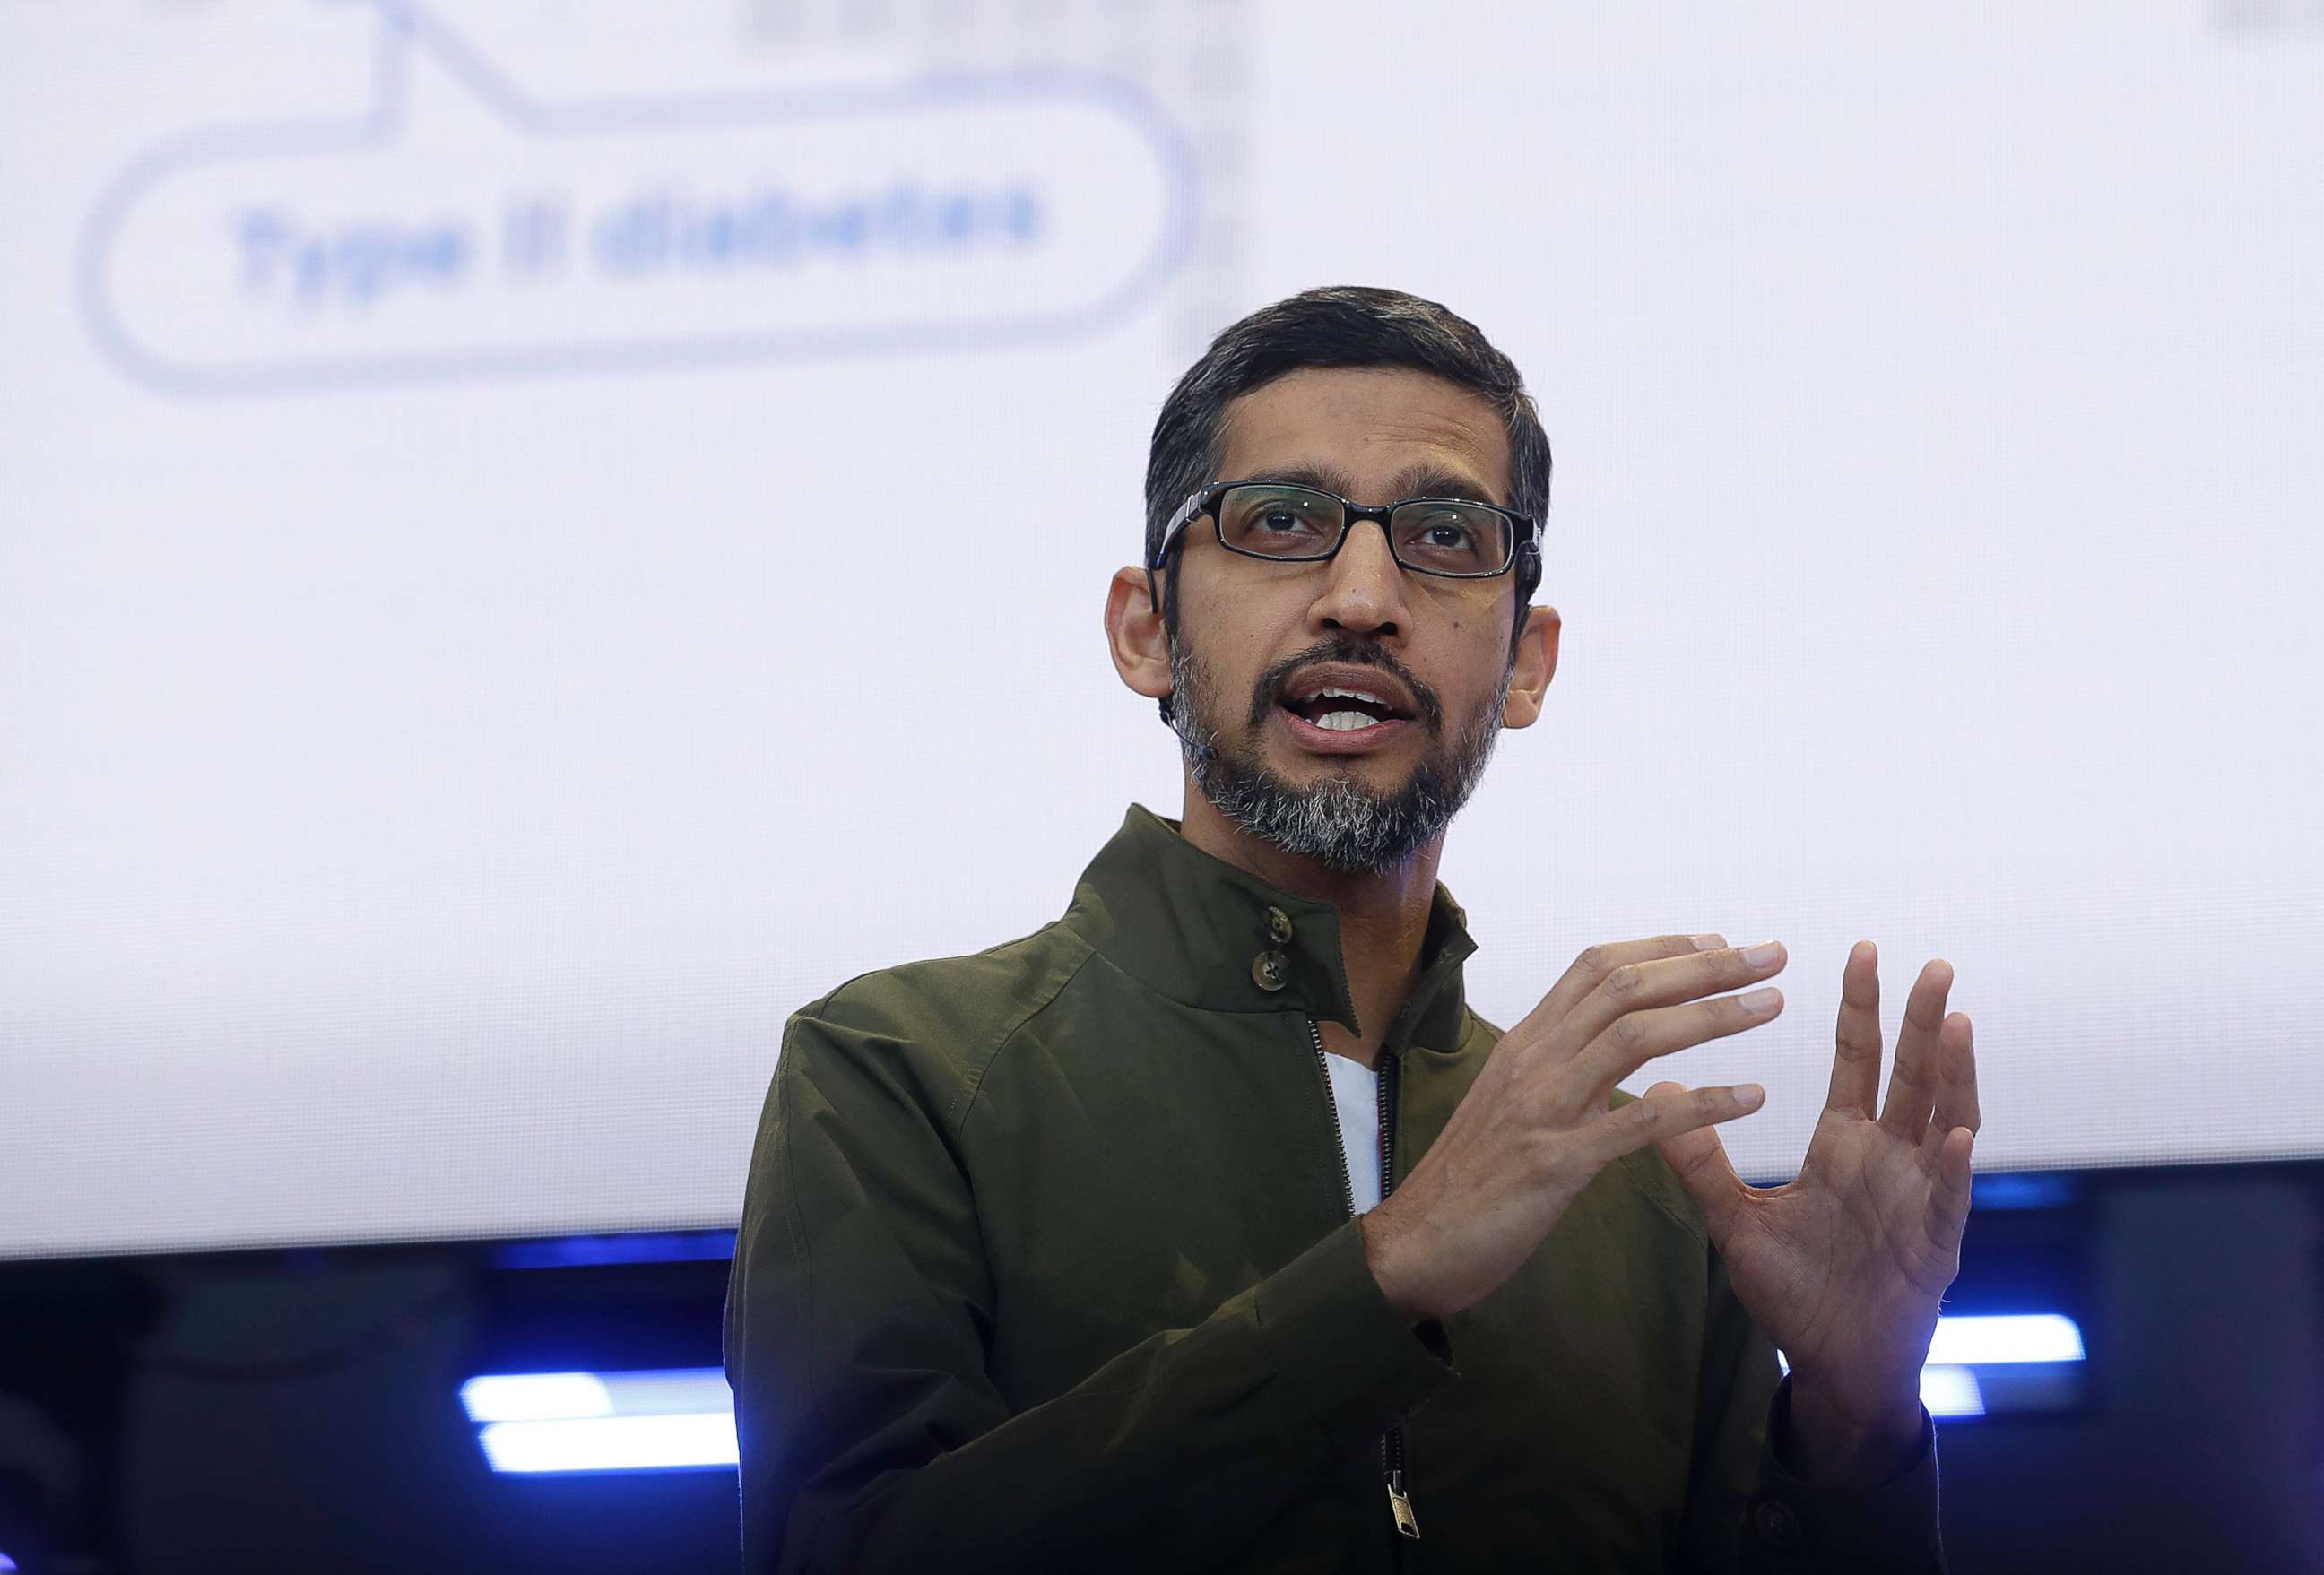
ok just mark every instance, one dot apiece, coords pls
pixel 1202 932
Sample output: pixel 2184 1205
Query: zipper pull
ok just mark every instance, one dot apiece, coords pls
pixel 1400 1507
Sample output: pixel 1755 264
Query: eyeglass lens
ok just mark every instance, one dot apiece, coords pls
pixel 1272 520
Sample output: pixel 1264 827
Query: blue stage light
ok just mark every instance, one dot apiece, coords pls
pixel 2027 1189
pixel 662 1420
pixel 2023 1337
pixel 643 1247
pixel 683 1418
pixel 535 1397
pixel 2016 1362
pixel 687 1441
pixel 1950 1391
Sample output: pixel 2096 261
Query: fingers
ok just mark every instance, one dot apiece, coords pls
pixel 1657 981
pixel 1912 1080
pixel 1856 1059
pixel 1589 971
pixel 1669 1112
pixel 1948 1199
pixel 1694 1151
pixel 1957 1075
pixel 1624 1028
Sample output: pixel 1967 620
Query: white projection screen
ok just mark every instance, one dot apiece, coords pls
pixel 540 538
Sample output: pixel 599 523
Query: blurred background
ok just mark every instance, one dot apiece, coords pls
pixel 537 537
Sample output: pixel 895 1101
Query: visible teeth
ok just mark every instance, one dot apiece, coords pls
pixel 1347 694
pixel 1346 721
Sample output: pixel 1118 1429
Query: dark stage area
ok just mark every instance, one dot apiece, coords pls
pixel 302 1410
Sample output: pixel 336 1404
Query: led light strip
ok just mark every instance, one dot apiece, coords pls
pixel 1991 1341
pixel 699 1441
pixel 683 1418
pixel 670 1420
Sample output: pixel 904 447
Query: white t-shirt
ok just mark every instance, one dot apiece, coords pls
pixel 1355 1097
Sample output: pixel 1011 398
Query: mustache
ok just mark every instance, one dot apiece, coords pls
pixel 1355 652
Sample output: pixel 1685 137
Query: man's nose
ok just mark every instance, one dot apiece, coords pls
pixel 1363 587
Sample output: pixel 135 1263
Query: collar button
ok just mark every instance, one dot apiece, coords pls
pixel 1270 969
pixel 1279 924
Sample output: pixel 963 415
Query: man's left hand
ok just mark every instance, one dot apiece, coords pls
pixel 1844 1267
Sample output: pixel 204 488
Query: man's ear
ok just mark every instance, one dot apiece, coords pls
pixel 1134 636
pixel 1536 665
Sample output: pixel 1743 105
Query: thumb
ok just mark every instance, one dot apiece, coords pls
pixel 1701 1161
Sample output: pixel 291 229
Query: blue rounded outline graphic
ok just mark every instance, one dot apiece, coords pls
pixel 404 27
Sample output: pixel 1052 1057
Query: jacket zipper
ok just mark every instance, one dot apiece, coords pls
pixel 1392 1461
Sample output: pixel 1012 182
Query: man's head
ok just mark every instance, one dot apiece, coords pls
pixel 1376 396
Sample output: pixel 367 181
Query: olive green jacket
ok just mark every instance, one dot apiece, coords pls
pixel 1046 1263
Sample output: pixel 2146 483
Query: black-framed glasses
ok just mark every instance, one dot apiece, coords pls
pixel 1456 539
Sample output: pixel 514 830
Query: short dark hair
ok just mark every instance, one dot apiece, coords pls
pixel 1341 325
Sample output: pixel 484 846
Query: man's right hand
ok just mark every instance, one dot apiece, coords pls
pixel 1534 1129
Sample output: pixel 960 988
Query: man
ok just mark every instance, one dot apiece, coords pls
pixel 1207 1229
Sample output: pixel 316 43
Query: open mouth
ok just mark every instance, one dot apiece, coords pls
pixel 1335 709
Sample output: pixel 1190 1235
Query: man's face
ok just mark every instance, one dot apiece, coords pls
pixel 1337 780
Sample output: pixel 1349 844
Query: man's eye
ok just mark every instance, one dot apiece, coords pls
pixel 1285 520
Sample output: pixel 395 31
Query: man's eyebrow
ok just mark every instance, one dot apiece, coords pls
pixel 1326 477
pixel 1426 479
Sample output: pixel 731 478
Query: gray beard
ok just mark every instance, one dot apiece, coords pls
pixel 1342 825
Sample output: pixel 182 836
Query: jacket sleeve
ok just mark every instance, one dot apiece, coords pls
pixel 1748 1513
pixel 871 1438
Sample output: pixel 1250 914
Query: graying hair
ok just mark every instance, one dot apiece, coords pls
pixel 1341 825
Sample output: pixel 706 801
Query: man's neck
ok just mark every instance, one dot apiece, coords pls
pixel 1383 915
